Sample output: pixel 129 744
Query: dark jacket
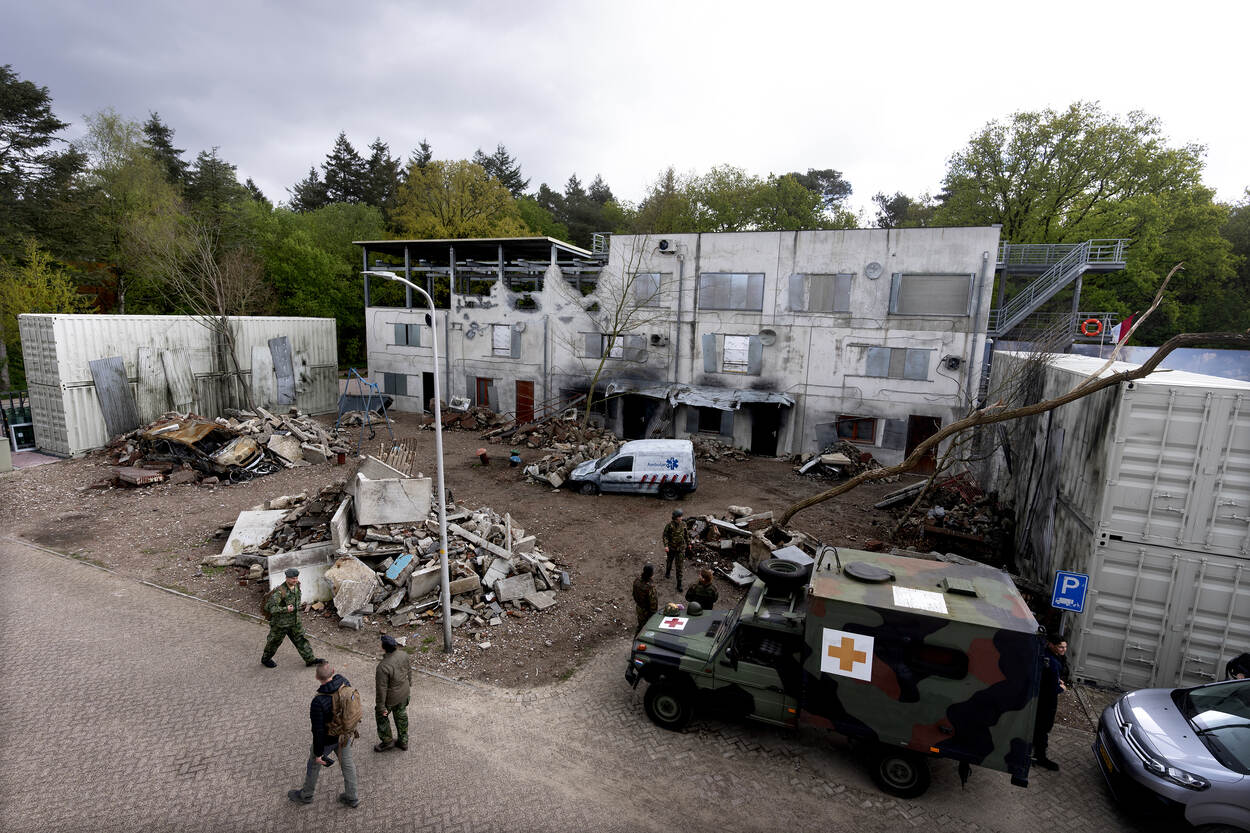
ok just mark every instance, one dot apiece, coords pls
pixel 321 712
pixel 704 594
pixel 393 680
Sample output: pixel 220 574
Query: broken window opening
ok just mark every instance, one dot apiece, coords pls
pixel 501 340
pixel 857 429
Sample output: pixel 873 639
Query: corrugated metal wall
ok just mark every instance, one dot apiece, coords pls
pixel 57 349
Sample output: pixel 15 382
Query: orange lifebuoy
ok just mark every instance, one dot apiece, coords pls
pixel 1091 327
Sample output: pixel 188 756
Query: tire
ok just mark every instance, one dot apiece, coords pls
pixel 900 772
pixel 780 574
pixel 669 492
pixel 587 488
pixel 668 705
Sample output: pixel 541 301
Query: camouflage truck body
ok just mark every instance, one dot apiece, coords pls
pixel 938 659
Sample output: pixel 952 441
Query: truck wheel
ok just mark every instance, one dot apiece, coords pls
pixel 588 488
pixel 900 772
pixel 669 492
pixel 780 574
pixel 668 706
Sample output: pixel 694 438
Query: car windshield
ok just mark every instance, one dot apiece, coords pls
pixel 728 625
pixel 1221 715
pixel 603 461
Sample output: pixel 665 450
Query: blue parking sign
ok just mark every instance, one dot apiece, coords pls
pixel 1069 592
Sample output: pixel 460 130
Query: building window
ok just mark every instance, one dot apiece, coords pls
pixel 732 291
pixel 396 384
pixel 709 420
pixel 408 335
pixel 500 340
pixel 897 363
pixel 631 348
pixel 857 429
pixel 736 358
pixel 647 289
pixel 923 294
pixel 820 293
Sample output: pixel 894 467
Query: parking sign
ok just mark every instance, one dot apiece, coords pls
pixel 1069 592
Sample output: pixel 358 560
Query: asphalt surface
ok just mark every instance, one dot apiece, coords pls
pixel 131 708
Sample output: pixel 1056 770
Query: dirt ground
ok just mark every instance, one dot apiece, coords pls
pixel 160 533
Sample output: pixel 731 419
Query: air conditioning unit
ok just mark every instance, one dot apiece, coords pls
pixel 667 246
pixel 659 340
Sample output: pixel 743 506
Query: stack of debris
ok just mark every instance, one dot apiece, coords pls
pixel 371 549
pixel 956 515
pixel 235 448
pixel 476 418
pixel 842 459
pixel 562 457
pixel 706 448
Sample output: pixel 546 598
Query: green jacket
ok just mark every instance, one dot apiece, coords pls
pixel 279 616
pixel 704 594
pixel 644 596
pixel 677 537
pixel 393 679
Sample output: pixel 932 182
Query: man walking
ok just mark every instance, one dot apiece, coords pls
pixel 676 541
pixel 282 605
pixel 703 591
pixel 645 601
pixel 1054 665
pixel 326 740
pixel 393 683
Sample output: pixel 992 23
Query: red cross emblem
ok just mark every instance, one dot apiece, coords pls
pixel 672 623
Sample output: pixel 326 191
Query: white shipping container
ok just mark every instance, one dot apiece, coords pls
pixel 57 350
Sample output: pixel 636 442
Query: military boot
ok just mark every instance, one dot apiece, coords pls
pixel 268 663
pixel 383 746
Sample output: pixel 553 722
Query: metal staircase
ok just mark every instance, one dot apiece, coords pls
pixel 1076 260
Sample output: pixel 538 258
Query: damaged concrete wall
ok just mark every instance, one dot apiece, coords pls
pixel 820 359
pixel 57 350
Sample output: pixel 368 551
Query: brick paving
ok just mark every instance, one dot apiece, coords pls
pixel 129 708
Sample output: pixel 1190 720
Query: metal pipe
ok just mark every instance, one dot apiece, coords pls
pixel 444 574
pixel 976 328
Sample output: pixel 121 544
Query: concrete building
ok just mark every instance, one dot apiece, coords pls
pixel 776 342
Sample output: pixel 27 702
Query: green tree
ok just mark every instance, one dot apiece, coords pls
pixel 33 283
pixel 1230 310
pixel 309 193
pixel 382 175
pixel 667 208
pixel 540 219
pixel 256 194
pixel 504 167
pixel 902 211
pixel 345 172
pixel 160 141
pixel 422 156
pixel 212 188
pixel 455 199
pixel 36 178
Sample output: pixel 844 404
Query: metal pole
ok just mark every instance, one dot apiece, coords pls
pixel 444 573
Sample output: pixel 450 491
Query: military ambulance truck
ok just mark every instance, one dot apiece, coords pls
pixel 911 659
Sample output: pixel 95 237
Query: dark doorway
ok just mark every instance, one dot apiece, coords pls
pixel 524 402
pixel 482 396
pixel 919 429
pixel 765 426
pixel 427 390
pixel 636 413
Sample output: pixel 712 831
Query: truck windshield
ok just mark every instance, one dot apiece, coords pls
pixel 728 625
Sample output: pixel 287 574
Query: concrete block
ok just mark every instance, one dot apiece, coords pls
pixel 393 500
pixel 400 619
pixel 312 562
pixel 251 529
pixel 286 447
pixel 499 568
pixel 541 599
pixel 525 544
pixel 313 454
pixel 458 619
pixel 795 555
pixel 424 581
pixel 555 480
pixel 395 572
pixel 340 525
pixel 516 587
pixel 352 621
pixel 352 581
pixel 392 601
pixel 468 584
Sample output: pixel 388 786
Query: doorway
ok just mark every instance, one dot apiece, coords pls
pixel 919 429
pixel 765 426
pixel 481 390
pixel 636 413
pixel 427 391
pixel 524 402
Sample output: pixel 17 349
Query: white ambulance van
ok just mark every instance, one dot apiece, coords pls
pixel 644 467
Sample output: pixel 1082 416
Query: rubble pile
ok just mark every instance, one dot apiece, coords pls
pixel 186 448
pixel 956 515
pixel 841 459
pixel 390 574
pixel 706 448
pixel 475 418
pixel 562 457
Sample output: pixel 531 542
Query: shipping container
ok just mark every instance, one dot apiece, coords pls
pixel 1145 487
pixel 57 351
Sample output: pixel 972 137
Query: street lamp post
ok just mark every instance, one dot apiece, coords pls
pixel 438 456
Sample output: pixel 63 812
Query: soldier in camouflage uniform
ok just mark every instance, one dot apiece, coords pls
pixel 676 542
pixel 703 591
pixel 282 605
pixel 392 686
pixel 645 601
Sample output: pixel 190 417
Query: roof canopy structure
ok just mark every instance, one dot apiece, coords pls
pixel 484 249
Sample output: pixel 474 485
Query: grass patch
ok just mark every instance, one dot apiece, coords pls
pixel 212 570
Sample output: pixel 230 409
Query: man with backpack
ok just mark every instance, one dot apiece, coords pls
pixel 282 610
pixel 335 713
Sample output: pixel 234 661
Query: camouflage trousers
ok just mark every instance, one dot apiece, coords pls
pixel 400 713
pixel 643 616
pixel 674 558
pixel 279 632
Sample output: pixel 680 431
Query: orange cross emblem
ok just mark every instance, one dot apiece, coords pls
pixel 846 655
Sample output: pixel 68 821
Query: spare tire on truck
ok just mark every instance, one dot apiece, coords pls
pixel 783 576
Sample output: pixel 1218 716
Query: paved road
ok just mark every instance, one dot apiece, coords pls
pixel 128 708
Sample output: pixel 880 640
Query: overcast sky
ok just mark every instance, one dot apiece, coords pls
pixel 882 91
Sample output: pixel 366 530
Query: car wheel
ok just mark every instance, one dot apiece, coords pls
pixel 780 574
pixel 900 772
pixel 669 492
pixel 668 705
pixel 588 488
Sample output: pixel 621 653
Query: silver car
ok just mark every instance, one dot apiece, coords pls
pixel 1182 753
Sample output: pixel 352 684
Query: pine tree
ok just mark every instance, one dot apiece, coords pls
pixel 381 176
pixel 160 141
pixel 257 194
pixel 423 155
pixel 599 191
pixel 345 173
pixel 212 186
pixel 308 194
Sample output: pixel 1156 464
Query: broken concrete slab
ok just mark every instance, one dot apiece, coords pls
pixel 385 495
pixel 740 575
pixel 312 562
pixel 525 544
pixel 286 447
pixel 725 526
pixel 794 555
pixel 340 525
pixel 499 568
pixel 516 587
pixel 251 529
pixel 352 621
pixel 458 619
pixel 541 599
pixel 352 582
pixel 392 601
pixel 468 584
pixel 135 476
pixel 424 580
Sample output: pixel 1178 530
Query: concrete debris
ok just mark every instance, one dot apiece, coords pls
pixel 711 450
pixel 841 459
pixel 567 446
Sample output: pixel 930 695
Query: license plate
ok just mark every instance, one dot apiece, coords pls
pixel 1106 756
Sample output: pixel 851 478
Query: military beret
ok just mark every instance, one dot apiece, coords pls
pixel 388 641
pixel 291 572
